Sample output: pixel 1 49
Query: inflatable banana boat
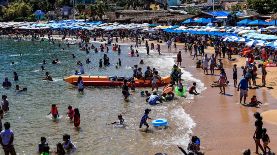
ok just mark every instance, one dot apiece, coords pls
pixel 114 81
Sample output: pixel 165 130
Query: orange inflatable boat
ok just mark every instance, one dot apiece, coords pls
pixel 113 81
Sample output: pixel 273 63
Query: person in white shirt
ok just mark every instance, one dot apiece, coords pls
pixel 6 140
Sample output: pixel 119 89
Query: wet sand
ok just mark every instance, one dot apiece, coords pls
pixel 224 125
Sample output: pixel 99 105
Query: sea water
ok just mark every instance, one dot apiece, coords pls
pixel 98 106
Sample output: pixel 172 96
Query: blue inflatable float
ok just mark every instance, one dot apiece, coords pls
pixel 159 122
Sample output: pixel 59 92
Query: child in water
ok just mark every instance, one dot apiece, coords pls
pixel 144 119
pixel 254 102
pixel 54 111
pixel 43 147
pixel 121 120
pixel 192 89
pixel 76 119
pixel 70 112
pixel 20 90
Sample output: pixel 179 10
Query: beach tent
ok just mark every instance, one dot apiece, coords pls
pixel 188 21
pixel 244 22
pixel 258 23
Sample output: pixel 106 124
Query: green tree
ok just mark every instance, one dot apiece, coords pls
pixel 263 6
pixel 17 10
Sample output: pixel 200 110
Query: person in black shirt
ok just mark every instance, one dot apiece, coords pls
pixel 125 90
pixel 43 145
pixel 15 76
pixel 6 83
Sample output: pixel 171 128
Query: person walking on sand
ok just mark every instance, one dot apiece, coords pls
pixel 235 75
pixel 179 59
pixel 212 64
pixel 222 81
pixel 243 88
pixel 6 140
pixel 205 62
pixel 258 132
pixel 263 75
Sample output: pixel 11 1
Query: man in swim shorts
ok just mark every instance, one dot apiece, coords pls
pixel 243 88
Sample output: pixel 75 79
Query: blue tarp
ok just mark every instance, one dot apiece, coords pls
pixel 272 22
pixel 219 13
pixel 188 21
pixel 258 22
pixel 244 22
pixel 200 32
pixel 202 21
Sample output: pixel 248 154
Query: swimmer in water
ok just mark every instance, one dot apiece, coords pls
pixel 6 83
pixel 73 56
pixel 141 62
pixel 144 119
pixel 119 62
pixel 48 77
pixel 20 90
pixel 70 112
pixel 125 90
pixel 76 118
pixel 44 62
pixel 15 76
pixel 42 68
pixel 43 147
pixel 54 111
pixel 100 63
pixel 68 146
pixel 5 103
pixel 121 120
pixel 88 61
pixel 80 84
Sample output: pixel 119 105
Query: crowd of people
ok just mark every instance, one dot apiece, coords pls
pixel 193 44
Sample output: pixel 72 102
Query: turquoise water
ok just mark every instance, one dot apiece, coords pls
pixel 98 106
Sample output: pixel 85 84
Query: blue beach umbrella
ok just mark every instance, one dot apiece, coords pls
pixel 244 22
pixel 258 22
pixel 188 21
pixel 202 21
pixel 272 22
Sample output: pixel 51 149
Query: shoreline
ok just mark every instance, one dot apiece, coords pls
pixel 222 115
pixel 223 125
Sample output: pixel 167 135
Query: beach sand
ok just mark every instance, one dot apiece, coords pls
pixel 224 126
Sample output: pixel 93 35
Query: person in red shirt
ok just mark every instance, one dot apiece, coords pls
pixel 54 111
pixel 76 120
pixel 70 112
